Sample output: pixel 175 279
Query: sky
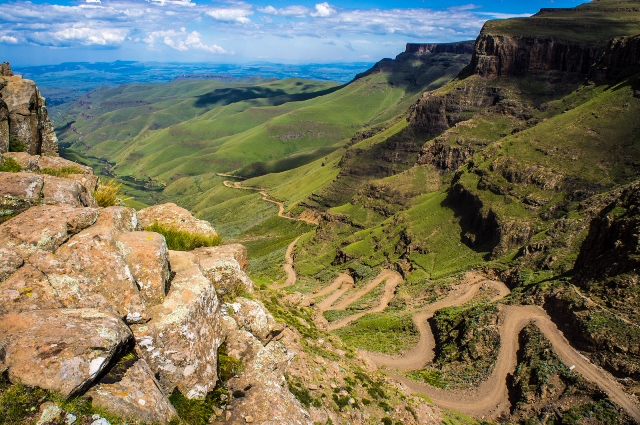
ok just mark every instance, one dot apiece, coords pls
pixel 40 32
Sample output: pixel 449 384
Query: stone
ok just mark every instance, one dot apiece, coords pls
pixel 252 316
pixel 27 162
pixel 223 266
pixel 89 181
pixel 18 191
pixel 137 395
pixel 58 163
pixel 27 289
pixel 59 190
pixel 52 414
pixel 10 261
pixel 61 350
pixel 297 299
pixel 45 227
pixel 181 342
pixel 172 216
pixel 90 267
pixel 147 256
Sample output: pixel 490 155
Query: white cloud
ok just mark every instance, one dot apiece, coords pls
pixel 92 1
pixel 231 15
pixel 182 41
pixel 8 39
pixel 88 36
pixel 297 11
pixel 323 10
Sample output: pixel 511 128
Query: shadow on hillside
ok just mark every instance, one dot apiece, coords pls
pixel 227 96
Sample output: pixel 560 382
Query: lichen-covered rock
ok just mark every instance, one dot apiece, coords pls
pixel 223 266
pixel 28 119
pixel 10 261
pixel 27 162
pixel 252 316
pixel 90 264
pixel 147 256
pixel 89 181
pixel 62 350
pixel 58 190
pixel 261 392
pixel 38 163
pixel 177 218
pixel 18 191
pixel 181 342
pixel 45 227
pixel 136 395
pixel 27 289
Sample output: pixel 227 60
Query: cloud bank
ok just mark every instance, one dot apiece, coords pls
pixel 189 30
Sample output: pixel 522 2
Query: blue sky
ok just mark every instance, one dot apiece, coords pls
pixel 285 31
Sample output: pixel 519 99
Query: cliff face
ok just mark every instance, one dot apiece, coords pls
pixel 462 48
pixel 24 120
pixel 505 56
pixel 622 55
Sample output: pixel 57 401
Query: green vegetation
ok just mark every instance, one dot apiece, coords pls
pixel 381 332
pixel 10 165
pixel 107 193
pixel 61 172
pixel 180 240
pixel 15 145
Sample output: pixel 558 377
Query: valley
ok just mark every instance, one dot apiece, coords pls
pixel 452 237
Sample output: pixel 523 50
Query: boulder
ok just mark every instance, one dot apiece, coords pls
pixel 252 316
pixel 10 261
pixel 89 181
pixel 91 265
pixel 59 190
pixel 45 227
pixel 147 256
pixel 135 395
pixel 27 162
pixel 18 191
pixel 27 289
pixel 181 342
pixel 223 266
pixel 61 350
pixel 172 216
pixel 57 163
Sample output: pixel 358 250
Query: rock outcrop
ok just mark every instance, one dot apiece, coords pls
pixel 24 120
pixel 461 48
pixel 622 56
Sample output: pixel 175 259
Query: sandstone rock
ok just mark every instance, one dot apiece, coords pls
pixel 297 299
pixel 252 316
pixel 239 343
pixel 57 163
pixel 180 343
pixel 10 261
pixel 136 395
pixel 45 227
pixel 62 349
pixel 28 119
pixel 223 266
pixel 146 254
pixel 90 268
pixel 58 190
pixel 89 181
pixel 27 289
pixel 18 191
pixel 27 162
pixel 172 216
pixel 261 390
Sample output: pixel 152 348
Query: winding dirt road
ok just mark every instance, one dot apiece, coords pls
pixel 288 266
pixel 268 198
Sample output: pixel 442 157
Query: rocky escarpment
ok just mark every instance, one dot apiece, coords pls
pixel 91 304
pixel 622 55
pixel 461 48
pixel 507 56
pixel 24 120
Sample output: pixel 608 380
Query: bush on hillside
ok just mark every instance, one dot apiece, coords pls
pixel 179 240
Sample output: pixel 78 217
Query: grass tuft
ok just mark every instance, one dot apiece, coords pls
pixel 10 165
pixel 61 172
pixel 179 240
pixel 108 194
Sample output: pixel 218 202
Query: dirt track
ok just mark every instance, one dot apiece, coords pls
pixel 268 198
pixel 288 266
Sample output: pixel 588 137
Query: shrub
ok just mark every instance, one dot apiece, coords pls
pixel 10 165
pixel 108 194
pixel 61 172
pixel 179 240
pixel 15 145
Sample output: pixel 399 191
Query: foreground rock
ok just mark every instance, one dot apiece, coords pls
pixel 224 266
pixel 181 342
pixel 136 395
pixel 172 216
pixel 62 350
